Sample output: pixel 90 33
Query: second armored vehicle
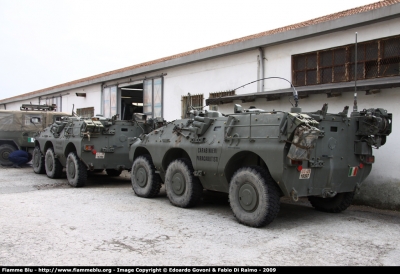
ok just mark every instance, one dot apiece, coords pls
pixel 258 156
pixel 86 144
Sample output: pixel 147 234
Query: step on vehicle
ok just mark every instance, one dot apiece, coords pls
pixel 87 144
pixel 258 156
pixel 17 127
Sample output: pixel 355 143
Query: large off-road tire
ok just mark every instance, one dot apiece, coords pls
pixel 76 170
pixel 38 161
pixel 52 165
pixel 182 187
pixel 145 181
pixel 5 150
pixel 336 204
pixel 113 172
pixel 253 196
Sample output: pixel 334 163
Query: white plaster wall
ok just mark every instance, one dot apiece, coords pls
pixel 18 104
pixel 278 60
pixel 92 99
pixel 209 76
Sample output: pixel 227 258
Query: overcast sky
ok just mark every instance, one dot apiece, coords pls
pixel 49 42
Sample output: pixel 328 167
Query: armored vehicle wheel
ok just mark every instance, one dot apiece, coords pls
pixel 335 204
pixel 113 172
pixel 182 187
pixel 145 182
pixel 76 170
pixel 253 196
pixel 5 150
pixel 52 164
pixel 38 161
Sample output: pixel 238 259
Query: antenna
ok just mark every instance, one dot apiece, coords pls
pixel 295 93
pixel 355 76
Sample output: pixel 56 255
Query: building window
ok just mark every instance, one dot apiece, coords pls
pixel 85 112
pixel 109 101
pixel 153 97
pixel 191 102
pixel 220 94
pixel 375 59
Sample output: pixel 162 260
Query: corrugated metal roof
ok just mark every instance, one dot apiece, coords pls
pixel 315 21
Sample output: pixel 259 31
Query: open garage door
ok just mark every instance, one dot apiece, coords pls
pixel 131 99
pixel 141 96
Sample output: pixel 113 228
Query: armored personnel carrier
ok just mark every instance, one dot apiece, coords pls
pixel 87 144
pixel 259 156
pixel 17 127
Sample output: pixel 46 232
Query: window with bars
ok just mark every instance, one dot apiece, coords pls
pixel 191 102
pixel 220 94
pixel 375 59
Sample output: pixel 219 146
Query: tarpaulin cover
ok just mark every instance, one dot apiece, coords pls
pixel 21 120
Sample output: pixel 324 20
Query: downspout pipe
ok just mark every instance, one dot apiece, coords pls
pixel 261 70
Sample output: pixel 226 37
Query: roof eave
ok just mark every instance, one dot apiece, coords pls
pixel 370 86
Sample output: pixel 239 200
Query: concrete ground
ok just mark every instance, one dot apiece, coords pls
pixel 45 222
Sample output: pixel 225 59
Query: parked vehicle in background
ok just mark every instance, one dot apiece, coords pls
pixel 87 144
pixel 259 156
pixel 17 128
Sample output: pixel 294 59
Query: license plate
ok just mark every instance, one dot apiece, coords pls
pixel 305 173
pixel 100 155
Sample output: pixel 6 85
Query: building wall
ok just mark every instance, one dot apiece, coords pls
pixel 278 63
pixel 17 105
pixel 92 99
pixel 278 60
pixel 209 76
pixel 69 99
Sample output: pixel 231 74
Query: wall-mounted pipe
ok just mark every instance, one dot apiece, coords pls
pixel 260 87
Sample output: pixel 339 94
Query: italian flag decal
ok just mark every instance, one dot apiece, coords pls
pixel 353 171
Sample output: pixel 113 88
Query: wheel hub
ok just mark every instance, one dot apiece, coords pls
pixel 49 163
pixel 71 169
pixel 36 160
pixel 248 197
pixel 5 154
pixel 141 177
pixel 178 183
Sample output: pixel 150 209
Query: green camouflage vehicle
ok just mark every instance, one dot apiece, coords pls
pixel 259 156
pixel 17 128
pixel 87 144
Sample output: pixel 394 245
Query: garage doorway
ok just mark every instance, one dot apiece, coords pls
pixel 131 100
pixel 142 96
